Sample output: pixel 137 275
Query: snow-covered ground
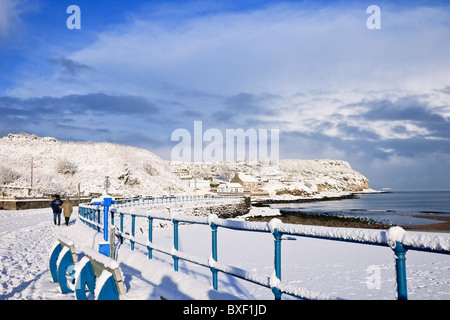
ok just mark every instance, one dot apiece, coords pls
pixel 346 270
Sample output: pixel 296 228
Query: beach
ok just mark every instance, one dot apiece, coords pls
pixel 415 211
pixel 442 226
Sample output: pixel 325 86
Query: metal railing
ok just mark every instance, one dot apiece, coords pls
pixel 395 238
pixel 173 199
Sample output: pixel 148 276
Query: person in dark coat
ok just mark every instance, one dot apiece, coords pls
pixel 56 207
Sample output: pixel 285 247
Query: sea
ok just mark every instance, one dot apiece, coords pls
pixel 394 207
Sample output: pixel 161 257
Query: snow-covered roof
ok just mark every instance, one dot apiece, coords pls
pixel 246 178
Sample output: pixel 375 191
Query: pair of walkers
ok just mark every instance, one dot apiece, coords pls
pixel 59 206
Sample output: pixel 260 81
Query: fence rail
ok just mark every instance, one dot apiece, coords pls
pixel 395 238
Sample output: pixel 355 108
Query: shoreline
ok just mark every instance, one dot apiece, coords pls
pixel 326 220
pixel 441 224
pixel 268 201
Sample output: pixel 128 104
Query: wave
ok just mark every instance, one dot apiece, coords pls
pixel 370 210
pixel 434 212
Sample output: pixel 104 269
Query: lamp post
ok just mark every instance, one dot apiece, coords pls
pixel 106 184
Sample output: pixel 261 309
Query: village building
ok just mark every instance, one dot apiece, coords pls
pixel 230 188
pixel 249 183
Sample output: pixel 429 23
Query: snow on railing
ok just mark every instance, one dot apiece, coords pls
pixel 396 238
pixel 141 201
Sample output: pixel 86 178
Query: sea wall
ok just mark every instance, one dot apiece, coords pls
pixel 225 211
pixel 32 203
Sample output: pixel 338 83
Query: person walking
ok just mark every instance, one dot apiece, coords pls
pixel 67 208
pixel 56 207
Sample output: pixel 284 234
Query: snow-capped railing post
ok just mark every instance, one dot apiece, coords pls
pixel 92 217
pixel 114 210
pixel 394 237
pixel 88 216
pixel 213 249
pixel 273 226
pixel 98 215
pixel 400 268
pixel 121 226
pixel 150 236
pixel 175 244
pixel 133 224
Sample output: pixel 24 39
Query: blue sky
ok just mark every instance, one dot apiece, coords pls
pixel 138 70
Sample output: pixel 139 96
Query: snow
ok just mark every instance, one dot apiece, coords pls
pixel 395 234
pixel 131 171
pixel 138 172
pixel 316 268
pixel 100 281
pixel 107 262
pixel 262 211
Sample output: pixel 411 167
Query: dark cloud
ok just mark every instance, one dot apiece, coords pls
pixel 243 109
pixel 319 145
pixel 95 116
pixel 97 104
pixel 415 146
pixel 445 90
pixel 354 132
pixel 191 114
pixel 410 109
pixel 70 67
pixel 416 163
pixel 407 108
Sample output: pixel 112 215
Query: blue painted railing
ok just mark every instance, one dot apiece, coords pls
pixel 395 237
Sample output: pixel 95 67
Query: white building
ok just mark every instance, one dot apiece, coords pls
pixel 230 188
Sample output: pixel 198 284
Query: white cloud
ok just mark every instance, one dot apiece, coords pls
pixel 323 65
pixel 279 50
pixel 11 12
pixel 8 16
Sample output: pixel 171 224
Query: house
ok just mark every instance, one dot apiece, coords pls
pixel 181 170
pixel 230 188
pixel 249 183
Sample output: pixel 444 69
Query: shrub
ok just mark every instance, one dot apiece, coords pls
pixel 7 176
pixel 149 169
pixel 66 167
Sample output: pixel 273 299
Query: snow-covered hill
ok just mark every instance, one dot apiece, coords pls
pixel 323 175
pixel 287 178
pixel 58 167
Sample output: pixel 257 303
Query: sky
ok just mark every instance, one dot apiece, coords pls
pixel 135 71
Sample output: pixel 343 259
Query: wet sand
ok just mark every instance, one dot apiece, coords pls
pixel 443 226
pixel 324 220
pixel 333 221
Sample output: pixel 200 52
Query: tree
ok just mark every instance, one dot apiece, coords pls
pixel 66 167
pixel 8 176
